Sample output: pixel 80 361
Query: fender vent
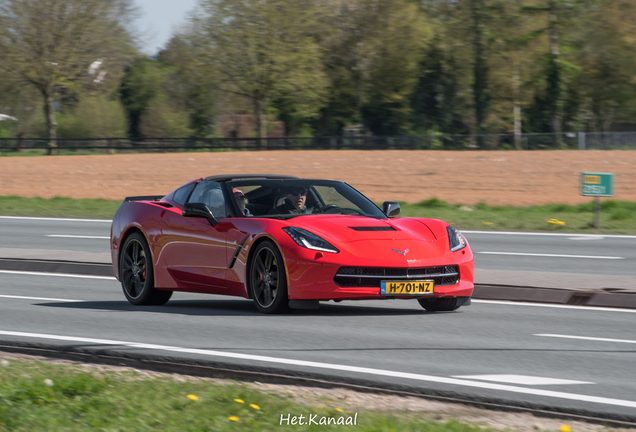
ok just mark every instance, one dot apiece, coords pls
pixel 380 228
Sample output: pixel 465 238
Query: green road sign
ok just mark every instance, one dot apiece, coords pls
pixel 597 184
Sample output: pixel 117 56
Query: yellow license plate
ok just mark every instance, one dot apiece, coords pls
pixel 407 287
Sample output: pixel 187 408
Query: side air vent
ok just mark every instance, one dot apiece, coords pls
pixel 380 228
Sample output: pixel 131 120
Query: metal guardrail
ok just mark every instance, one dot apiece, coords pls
pixel 580 140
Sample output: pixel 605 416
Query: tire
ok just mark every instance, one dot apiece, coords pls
pixel 268 282
pixel 438 304
pixel 137 275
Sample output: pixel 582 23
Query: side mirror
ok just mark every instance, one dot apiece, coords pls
pixel 199 210
pixel 391 208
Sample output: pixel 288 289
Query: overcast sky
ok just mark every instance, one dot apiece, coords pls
pixel 158 19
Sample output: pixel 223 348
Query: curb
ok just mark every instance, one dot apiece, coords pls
pixel 597 298
pixel 48 266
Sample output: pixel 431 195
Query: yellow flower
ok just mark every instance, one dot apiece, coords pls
pixel 233 418
pixel 565 428
pixel 193 397
pixel 556 221
pixel 488 223
pixel 321 407
pixel 255 406
pixel 339 410
pixel 239 400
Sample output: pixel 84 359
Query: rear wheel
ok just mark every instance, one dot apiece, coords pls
pixel 267 279
pixel 136 273
pixel 439 304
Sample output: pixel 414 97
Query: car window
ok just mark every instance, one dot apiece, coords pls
pixel 331 196
pixel 181 195
pixel 210 194
pixel 270 198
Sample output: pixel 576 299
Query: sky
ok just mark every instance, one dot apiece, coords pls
pixel 158 20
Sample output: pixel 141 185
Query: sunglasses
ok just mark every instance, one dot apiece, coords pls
pixel 298 193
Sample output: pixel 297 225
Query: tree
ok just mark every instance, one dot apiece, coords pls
pixel 141 84
pixel 190 84
pixel 260 49
pixel 378 44
pixel 47 44
pixel 435 102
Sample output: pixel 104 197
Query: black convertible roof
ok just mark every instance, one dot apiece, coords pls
pixel 229 177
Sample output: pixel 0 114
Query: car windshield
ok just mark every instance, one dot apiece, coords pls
pixel 286 198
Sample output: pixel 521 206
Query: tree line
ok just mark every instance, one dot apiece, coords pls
pixel 71 68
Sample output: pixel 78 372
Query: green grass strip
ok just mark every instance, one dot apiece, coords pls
pixel 58 207
pixel 40 396
pixel 617 217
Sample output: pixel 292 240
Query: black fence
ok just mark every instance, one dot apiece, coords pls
pixel 580 140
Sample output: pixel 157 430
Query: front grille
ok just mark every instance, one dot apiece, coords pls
pixel 373 276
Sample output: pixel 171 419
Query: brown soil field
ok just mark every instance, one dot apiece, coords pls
pixel 517 178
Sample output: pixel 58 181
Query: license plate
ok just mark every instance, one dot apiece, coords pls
pixel 407 287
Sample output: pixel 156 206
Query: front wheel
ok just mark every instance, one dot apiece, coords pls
pixel 136 273
pixel 268 281
pixel 439 304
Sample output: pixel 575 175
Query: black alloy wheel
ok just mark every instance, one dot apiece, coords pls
pixel 136 273
pixel 268 281
pixel 447 304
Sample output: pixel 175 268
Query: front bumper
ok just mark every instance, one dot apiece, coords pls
pixel 312 275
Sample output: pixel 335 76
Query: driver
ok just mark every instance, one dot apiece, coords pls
pixel 241 200
pixel 294 203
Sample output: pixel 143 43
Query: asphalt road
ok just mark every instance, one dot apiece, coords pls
pixel 553 356
pixel 490 350
pixel 541 252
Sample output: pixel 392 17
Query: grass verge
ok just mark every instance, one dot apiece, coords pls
pixel 617 217
pixel 58 207
pixel 51 397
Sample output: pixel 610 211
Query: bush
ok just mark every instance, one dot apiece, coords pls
pixel 94 117
pixel 433 203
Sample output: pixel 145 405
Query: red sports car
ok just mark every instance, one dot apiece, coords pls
pixel 285 242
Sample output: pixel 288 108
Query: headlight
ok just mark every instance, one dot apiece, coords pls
pixel 309 240
pixel 456 240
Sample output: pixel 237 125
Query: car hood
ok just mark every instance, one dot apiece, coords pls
pixel 398 241
pixel 344 229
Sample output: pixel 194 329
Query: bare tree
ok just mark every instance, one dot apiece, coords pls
pixel 259 48
pixel 50 43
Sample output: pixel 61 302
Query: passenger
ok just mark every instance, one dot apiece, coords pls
pixel 294 203
pixel 241 200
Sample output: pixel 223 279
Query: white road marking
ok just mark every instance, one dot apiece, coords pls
pixel 57 274
pixel 522 379
pixel 77 236
pixel 331 366
pixel 596 339
pixel 39 298
pixel 551 255
pixel 588 237
pixel 55 219
pixel 546 234
pixel 557 306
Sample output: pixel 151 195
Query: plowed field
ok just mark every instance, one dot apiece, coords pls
pixel 518 178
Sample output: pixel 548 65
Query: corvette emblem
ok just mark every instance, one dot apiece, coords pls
pixel 399 251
